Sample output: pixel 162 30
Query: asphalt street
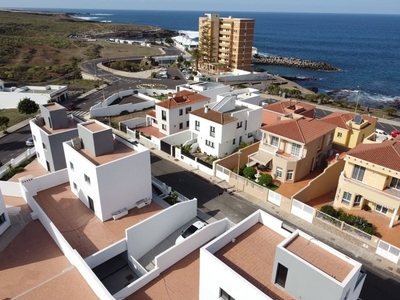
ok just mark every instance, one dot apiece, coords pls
pixel 13 144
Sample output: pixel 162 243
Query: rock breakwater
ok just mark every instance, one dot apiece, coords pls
pixel 293 63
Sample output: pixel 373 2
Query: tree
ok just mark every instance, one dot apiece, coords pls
pixel 249 172
pixel 180 59
pixel 27 106
pixel 206 45
pixel 4 123
pixel 265 179
pixel 196 56
pixel 168 40
pixel 390 111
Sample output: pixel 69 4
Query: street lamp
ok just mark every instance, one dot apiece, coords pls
pixel 358 99
pixel 237 175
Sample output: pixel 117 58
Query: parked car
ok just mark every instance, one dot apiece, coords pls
pixel 71 107
pixel 175 78
pixel 196 226
pixel 395 133
pixel 29 142
pixel 380 131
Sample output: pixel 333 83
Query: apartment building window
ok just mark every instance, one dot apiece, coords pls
pixel 87 178
pixel 44 146
pixel 358 173
pixel 295 149
pixel 180 125
pixel 75 186
pixel 381 209
pixel 249 135
pixel 357 200
pixel 239 124
pixel 279 172
pixel 281 275
pixel 197 125
pixel 212 131
pixel 234 142
pixel 2 218
pixel 164 126
pixel 346 198
pixel 224 295
pixel 289 175
pixel 164 115
pixel 188 110
pixel 187 124
pixel 181 112
pixel 395 183
pixel 339 135
pixel 330 140
pixel 34 138
pixel 71 165
pixel 274 141
pixel 210 144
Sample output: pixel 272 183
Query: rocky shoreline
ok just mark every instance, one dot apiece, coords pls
pixel 293 63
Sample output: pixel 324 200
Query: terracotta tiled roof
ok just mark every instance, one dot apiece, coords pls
pixel 282 107
pixel 303 130
pixel 386 154
pixel 340 119
pixel 214 116
pixel 151 114
pixel 182 98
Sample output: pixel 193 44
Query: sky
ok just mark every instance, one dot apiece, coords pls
pixel 311 6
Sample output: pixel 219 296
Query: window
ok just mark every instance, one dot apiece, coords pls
pixel 295 149
pixel 2 218
pixel 164 115
pixel 210 144
pixel 44 146
pixel 224 295
pixel 34 138
pixel 330 139
pixel 164 126
pixel 289 175
pixel 274 141
pixel 346 198
pixel 281 274
pixel 358 173
pixel 357 200
pixel 381 209
pixel 245 125
pixel 339 134
pixel 187 124
pixel 395 183
pixel 212 131
pixel 234 142
pixel 181 112
pixel 87 178
pixel 278 172
pixel 240 140
pixel 75 186
pixel 197 125
pixel 239 124
pixel 188 110
pixel 180 125
pixel 249 135
pixel 71 165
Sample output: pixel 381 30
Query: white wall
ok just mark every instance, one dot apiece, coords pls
pixel 11 99
pixel 147 234
pixel 3 210
pixel 9 188
pixel 192 163
pixel 52 179
pixel 36 133
pixel 105 254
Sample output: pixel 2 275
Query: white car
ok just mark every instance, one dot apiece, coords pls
pixel 380 131
pixel 196 226
pixel 29 142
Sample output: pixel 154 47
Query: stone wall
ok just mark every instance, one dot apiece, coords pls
pixel 293 63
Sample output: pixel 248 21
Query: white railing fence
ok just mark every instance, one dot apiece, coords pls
pixel 14 162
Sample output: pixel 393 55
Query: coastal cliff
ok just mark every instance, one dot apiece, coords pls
pixel 293 63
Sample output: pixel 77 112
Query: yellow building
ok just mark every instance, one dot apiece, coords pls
pixel 371 179
pixel 233 42
pixel 351 129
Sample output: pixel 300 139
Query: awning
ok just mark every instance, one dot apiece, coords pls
pixel 262 157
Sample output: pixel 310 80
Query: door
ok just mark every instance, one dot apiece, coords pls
pixel 91 204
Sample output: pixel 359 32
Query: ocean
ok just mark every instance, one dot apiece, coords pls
pixel 366 48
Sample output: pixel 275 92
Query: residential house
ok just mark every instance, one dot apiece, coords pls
pixel 108 174
pixel 371 179
pixel 10 97
pixel 183 42
pixel 247 95
pixel 351 129
pixel 283 109
pixel 49 131
pixel 172 115
pixel 258 259
pixel 208 89
pixel 233 40
pixel 4 217
pixel 220 129
pixel 295 147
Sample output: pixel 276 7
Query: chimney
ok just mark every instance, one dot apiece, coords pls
pixel 206 109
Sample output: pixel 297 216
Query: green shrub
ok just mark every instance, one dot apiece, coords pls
pixel 265 179
pixel 249 172
pixel 329 210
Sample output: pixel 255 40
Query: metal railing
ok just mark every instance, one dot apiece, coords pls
pixel 327 218
pixel 355 231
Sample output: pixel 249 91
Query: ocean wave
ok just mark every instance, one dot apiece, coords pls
pixel 266 54
pixel 106 21
pixel 190 33
pixel 101 14
pixel 86 18
pixel 364 97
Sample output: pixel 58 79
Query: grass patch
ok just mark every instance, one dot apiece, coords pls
pixel 14 115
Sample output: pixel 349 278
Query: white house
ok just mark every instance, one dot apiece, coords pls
pixel 258 259
pixel 208 89
pixel 220 128
pixel 4 218
pixel 108 174
pixel 49 131
pixel 172 115
pixel 10 97
pixel 183 42
pixel 247 95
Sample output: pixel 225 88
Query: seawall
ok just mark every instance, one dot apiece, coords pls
pixel 293 63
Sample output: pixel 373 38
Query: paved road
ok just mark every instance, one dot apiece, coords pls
pixel 13 144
